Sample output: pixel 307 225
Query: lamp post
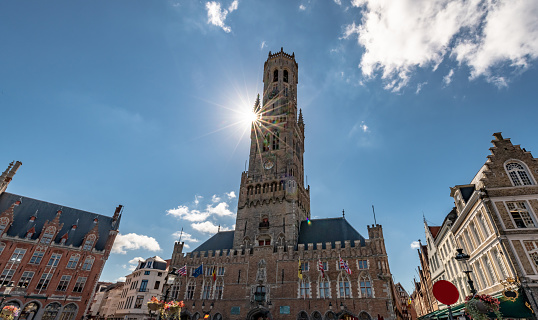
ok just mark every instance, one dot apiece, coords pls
pixel 169 281
pixel 462 258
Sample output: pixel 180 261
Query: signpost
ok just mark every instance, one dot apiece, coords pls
pixel 446 293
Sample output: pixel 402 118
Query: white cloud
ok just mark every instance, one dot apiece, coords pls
pixel 183 212
pixel 359 126
pixel 302 7
pixel 216 15
pixel 220 209
pixel 215 198
pixel 415 245
pixel 230 195
pixel 186 246
pixel 135 260
pixel 448 78
pixel 197 199
pixel 120 279
pixel 338 2
pixel 263 45
pixel 400 36
pixel 187 237
pixel 419 86
pixel 133 241
pixel 208 227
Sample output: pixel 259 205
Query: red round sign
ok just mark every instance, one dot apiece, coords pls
pixel 445 292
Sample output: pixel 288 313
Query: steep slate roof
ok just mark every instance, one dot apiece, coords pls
pixel 220 241
pixel 467 192
pixel 47 211
pixel 328 230
pixel 158 263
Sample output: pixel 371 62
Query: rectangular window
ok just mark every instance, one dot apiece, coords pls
pixel 47 238
pixel 147 272
pixel 190 292
pixel 17 255
pixel 25 279
pixel 304 266
pixel 73 261
pixel 88 263
pixel 138 302
pixel 157 285
pixel 324 289
pixel 220 271
pixel 520 214
pixel 304 289
pixel 366 288
pixel 144 286
pixel 345 292
pixel 209 270
pixel 64 283
pixel 79 285
pixel 218 291
pixel 363 264
pixel 325 265
pixel 5 277
pixel 207 291
pixel 54 260
pixel 44 281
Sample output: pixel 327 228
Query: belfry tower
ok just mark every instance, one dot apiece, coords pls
pixel 273 199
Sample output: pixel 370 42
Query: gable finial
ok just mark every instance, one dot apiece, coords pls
pixel 343 214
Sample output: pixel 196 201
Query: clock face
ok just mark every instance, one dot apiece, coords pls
pixel 268 164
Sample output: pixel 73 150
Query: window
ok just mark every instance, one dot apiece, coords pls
pixel 518 174
pixel 3 225
pixel 157 285
pixel 304 289
pixel 88 263
pixel 304 266
pixel 88 244
pixel 144 286
pixel 54 260
pixel 220 271
pixel 325 265
pixel 207 291
pixel 64 283
pixel 190 292
pixel 44 281
pixel 174 291
pixel 138 302
pixel 37 257
pixel 275 75
pixel 147 272
pixel 344 288
pixel 276 140
pixel 73 261
pixel 209 270
pixel 532 250
pixel 48 235
pixel 324 291
pixel 25 279
pixel 366 287
pixel 69 312
pixel 79 285
pixel 520 214
pixel 218 290
pixel 285 75
pixel 363 264
pixel 5 277
pixel 17 255
pixel 149 264
pixel 2 247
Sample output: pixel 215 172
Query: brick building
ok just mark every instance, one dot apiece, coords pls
pixel 51 256
pixel 268 266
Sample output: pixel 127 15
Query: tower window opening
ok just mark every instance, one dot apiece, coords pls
pixel 285 91
pixel 286 76
pixel 276 138
pixel 266 142
pixel 275 75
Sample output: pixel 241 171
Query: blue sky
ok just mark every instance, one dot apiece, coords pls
pixel 139 103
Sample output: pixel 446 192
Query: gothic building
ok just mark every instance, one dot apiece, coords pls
pixel 279 263
pixel 50 256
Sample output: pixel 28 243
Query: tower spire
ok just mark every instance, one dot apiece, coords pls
pixel 301 121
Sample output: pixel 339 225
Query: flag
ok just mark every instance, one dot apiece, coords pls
pixel 182 271
pixel 343 265
pixel 300 272
pixel 214 273
pixel 320 267
pixel 198 271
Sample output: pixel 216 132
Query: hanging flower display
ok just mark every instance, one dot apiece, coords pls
pixel 173 308
pixel 479 306
pixel 155 304
pixel 9 312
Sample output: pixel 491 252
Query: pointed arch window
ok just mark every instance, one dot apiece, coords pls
pixel 88 263
pixel 88 244
pixel 69 312
pixel 365 284
pixel 73 261
pixel 219 288
pixel 48 235
pixel 276 140
pixel 324 287
pixel 518 174
pixel 286 76
pixel 275 75
pixel 189 294
pixel 344 286
pixel 304 288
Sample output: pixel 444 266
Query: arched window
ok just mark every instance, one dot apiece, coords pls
pixel 302 316
pixel 364 316
pixel 285 75
pixel 189 294
pixel 48 235
pixel 344 286
pixel 276 140
pixel 217 316
pixel 324 287
pixel 206 292
pixel 73 261
pixel 69 312
pixel 275 75
pixel 316 316
pixel 88 244
pixel 518 174
pixel 196 316
pixel 365 284
pixel 175 289
pixel 330 315
pixel 51 311
pixel 219 287
pixel 88 263
pixel 304 288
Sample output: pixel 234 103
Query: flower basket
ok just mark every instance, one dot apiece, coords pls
pixel 172 311
pixel 479 306
pixel 173 308
pixel 9 312
pixel 155 306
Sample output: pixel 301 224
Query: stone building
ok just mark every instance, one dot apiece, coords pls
pixel 268 267
pixel 422 297
pixel 51 256
pixel 495 222
pixel 403 307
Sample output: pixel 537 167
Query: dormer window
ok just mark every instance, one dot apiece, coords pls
pixel 3 224
pixel 48 236
pixel 149 264
pixel 518 174
pixel 88 244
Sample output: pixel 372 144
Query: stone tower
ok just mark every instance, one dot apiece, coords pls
pixel 273 199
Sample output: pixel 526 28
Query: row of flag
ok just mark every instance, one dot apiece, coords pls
pixel 197 272
pixel 342 263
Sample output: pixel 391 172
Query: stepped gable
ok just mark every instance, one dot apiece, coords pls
pixel 47 212
pixel 328 230
pixel 434 231
pixel 222 240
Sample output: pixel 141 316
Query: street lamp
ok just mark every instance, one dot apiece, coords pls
pixel 462 258
pixel 206 313
pixel 169 281
pixel 330 306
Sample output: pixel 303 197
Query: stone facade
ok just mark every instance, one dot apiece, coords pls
pixel 267 268
pixel 51 256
